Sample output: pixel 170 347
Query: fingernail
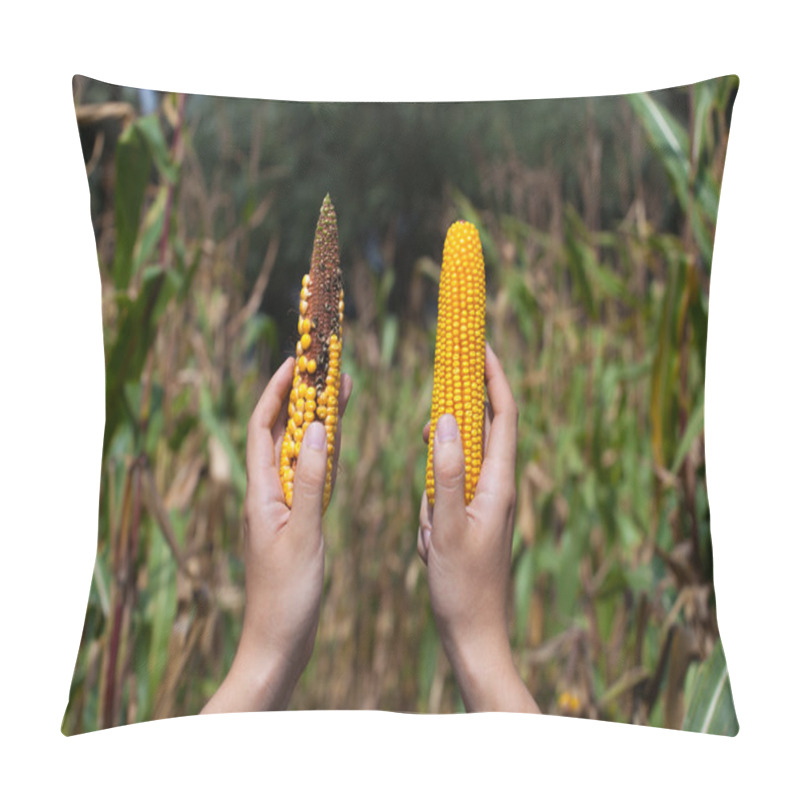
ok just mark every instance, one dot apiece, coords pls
pixel 446 428
pixel 315 436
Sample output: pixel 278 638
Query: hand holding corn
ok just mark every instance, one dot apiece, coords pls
pixel 292 453
pixel 467 549
pixel 284 556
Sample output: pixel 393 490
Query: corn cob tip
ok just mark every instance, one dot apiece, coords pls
pixel 325 254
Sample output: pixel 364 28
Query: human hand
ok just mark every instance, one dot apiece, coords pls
pixel 467 550
pixel 284 556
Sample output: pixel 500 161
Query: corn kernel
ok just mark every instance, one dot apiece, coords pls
pixel 459 360
pixel 318 328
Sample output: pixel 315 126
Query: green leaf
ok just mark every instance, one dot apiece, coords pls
pixel 161 607
pixel 260 327
pixel 567 576
pixel 694 427
pixel 426 664
pixel 629 534
pixel 133 162
pixel 523 590
pixel 709 707
pixel 697 194
pixel 662 381
pixel 151 132
pixel 389 339
pixel 152 230
pixel 703 108
pixel 136 330
pixel 580 259
pixel 669 140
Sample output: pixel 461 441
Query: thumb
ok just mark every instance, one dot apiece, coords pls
pixel 448 475
pixel 309 478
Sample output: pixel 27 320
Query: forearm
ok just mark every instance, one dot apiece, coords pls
pixel 487 677
pixel 253 686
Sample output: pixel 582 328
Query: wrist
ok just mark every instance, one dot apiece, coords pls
pixel 485 672
pixel 268 676
pixel 477 661
pixel 254 683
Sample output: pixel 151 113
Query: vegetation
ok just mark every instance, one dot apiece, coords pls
pixel 597 222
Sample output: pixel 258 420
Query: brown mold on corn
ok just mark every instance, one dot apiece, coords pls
pixel 315 386
pixel 458 373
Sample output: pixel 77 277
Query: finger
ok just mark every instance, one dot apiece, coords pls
pixel 424 530
pixel 448 477
pixel 487 426
pixel 309 477
pixel 344 397
pixel 260 457
pixel 426 432
pixel 501 447
pixel 423 543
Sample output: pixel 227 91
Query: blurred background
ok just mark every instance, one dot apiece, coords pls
pixel 597 221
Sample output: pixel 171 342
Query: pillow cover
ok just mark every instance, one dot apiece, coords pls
pixel 596 219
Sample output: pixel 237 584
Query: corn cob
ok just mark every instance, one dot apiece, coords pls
pixel 315 386
pixel 460 350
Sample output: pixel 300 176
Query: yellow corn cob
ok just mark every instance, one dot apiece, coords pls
pixel 315 386
pixel 460 349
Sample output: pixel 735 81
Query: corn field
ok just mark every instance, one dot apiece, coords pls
pixel 597 223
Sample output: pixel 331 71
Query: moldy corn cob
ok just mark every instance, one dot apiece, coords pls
pixel 315 387
pixel 460 350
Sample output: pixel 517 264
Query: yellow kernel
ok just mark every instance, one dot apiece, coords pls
pixel 310 402
pixel 458 367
